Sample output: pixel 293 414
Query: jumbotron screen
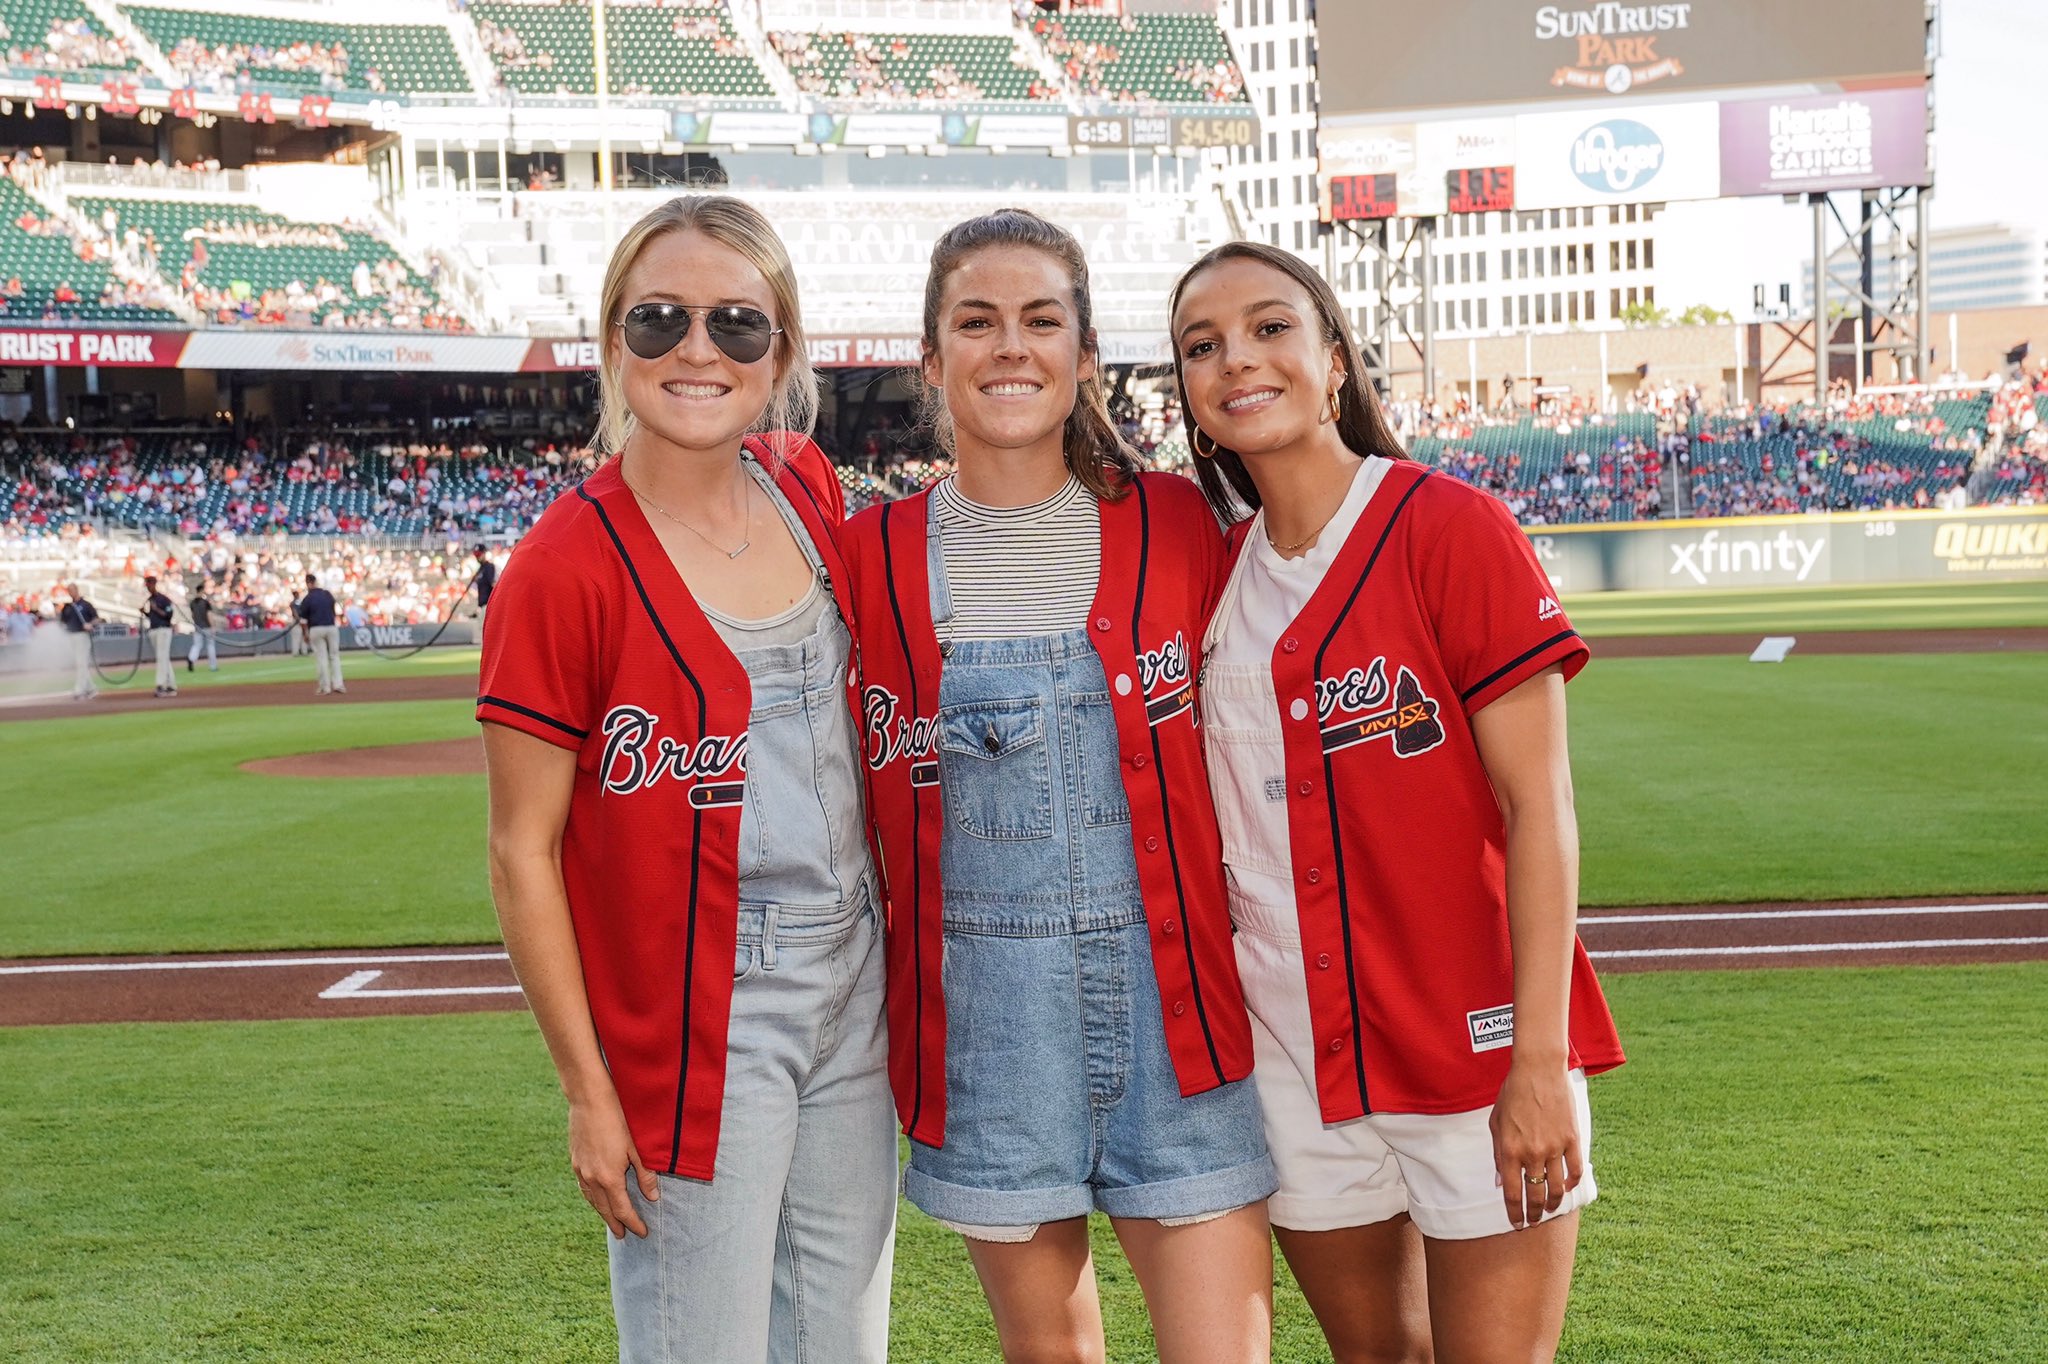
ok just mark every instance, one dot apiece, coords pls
pixel 1482 105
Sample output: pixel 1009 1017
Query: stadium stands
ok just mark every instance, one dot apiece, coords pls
pixel 59 35
pixel 657 51
pixel 1144 58
pixel 45 279
pixel 240 264
pixel 910 66
pixel 218 50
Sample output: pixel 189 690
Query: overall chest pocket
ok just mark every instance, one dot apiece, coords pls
pixel 994 770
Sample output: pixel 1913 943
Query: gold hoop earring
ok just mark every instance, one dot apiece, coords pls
pixel 1195 444
pixel 1336 404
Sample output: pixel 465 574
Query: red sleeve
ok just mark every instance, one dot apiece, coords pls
pixel 543 638
pixel 803 457
pixel 1495 612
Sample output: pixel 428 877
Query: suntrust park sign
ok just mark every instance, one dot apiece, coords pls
pixel 1613 46
pixel 75 349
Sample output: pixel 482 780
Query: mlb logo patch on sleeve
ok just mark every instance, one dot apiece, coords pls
pixel 1492 1029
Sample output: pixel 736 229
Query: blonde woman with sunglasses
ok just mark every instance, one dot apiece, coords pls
pixel 675 787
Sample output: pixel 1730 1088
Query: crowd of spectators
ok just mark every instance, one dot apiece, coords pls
pixel 856 66
pixel 201 486
pixel 1087 62
pixel 226 67
pixel 69 45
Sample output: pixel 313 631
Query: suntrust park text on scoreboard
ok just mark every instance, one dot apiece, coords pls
pixel 831 352
pixel 76 348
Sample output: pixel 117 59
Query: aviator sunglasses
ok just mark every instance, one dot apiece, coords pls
pixel 742 334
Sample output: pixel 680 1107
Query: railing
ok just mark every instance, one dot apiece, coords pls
pixel 77 175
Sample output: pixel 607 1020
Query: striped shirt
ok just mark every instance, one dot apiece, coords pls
pixel 1018 571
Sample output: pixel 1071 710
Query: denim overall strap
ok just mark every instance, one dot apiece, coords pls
pixel 935 569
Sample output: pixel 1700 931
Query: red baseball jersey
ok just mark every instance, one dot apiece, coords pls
pixel 1161 562
pixel 1434 608
pixel 595 644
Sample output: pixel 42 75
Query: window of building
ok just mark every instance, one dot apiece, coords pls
pixel 1541 273
pixel 1556 217
pixel 1649 253
pixel 1294 97
pixel 1649 293
pixel 1556 259
pixel 1575 307
pixel 1613 215
pixel 1614 257
pixel 1480 258
pixel 1521 262
pixel 1614 303
pixel 1541 319
pixel 1630 254
pixel 1465 311
pixel 1589 305
pixel 1482 314
pixel 1294 51
pixel 1633 298
pixel 1505 271
pixel 1557 307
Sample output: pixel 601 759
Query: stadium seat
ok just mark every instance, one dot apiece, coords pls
pixel 406 58
pixel 548 48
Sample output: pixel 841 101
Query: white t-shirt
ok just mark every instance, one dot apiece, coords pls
pixel 1241 714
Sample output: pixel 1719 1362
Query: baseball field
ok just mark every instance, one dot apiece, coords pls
pixel 235 1125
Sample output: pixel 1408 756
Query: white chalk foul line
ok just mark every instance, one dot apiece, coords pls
pixel 355 987
pixel 76 967
pixel 1871 912
pixel 1782 949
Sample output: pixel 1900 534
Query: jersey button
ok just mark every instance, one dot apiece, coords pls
pixel 1123 684
pixel 1299 710
pixel 1323 961
pixel 1137 760
pixel 1289 644
pixel 1336 1044
pixel 1307 788
pixel 1170 927
pixel 1151 844
pixel 1179 1007
pixel 1102 625
pixel 1314 875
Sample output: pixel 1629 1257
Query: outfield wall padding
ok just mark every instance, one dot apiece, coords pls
pixel 1989 544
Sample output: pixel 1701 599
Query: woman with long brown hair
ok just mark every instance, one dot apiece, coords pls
pixel 1066 1028
pixel 1383 706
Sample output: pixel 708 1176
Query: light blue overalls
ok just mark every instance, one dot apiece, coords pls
pixel 785 1255
pixel 1061 1096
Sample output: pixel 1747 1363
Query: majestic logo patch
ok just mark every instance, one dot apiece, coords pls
pixel 1492 1029
pixel 1355 709
pixel 635 758
pixel 1548 609
pixel 890 736
pixel 1163 673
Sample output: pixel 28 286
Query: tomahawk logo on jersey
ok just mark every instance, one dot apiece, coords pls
pixel 1353 709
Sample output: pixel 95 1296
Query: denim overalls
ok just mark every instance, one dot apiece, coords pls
pixel 1060 1093
pixel 786 1254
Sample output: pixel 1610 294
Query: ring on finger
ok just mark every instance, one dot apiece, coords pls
pixel 1540 1178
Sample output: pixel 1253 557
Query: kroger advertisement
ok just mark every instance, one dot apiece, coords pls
pixel 1652 155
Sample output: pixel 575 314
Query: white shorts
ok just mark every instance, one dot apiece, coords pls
pixel 1437 1168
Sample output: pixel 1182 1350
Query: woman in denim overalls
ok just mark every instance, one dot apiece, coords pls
pixel 675 786
pixel 1062 1090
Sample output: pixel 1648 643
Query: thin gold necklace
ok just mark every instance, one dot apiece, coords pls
pixel 747 494
pixel 1279 548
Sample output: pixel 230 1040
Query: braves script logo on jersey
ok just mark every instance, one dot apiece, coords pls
pixel 636 757
pixel 1163 675
pixel 891 735
pixel 1361 698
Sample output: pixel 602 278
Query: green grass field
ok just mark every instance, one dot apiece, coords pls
pixel 234 670
pixel 1699 779
pixel 1795 610
pixel 1795 1166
